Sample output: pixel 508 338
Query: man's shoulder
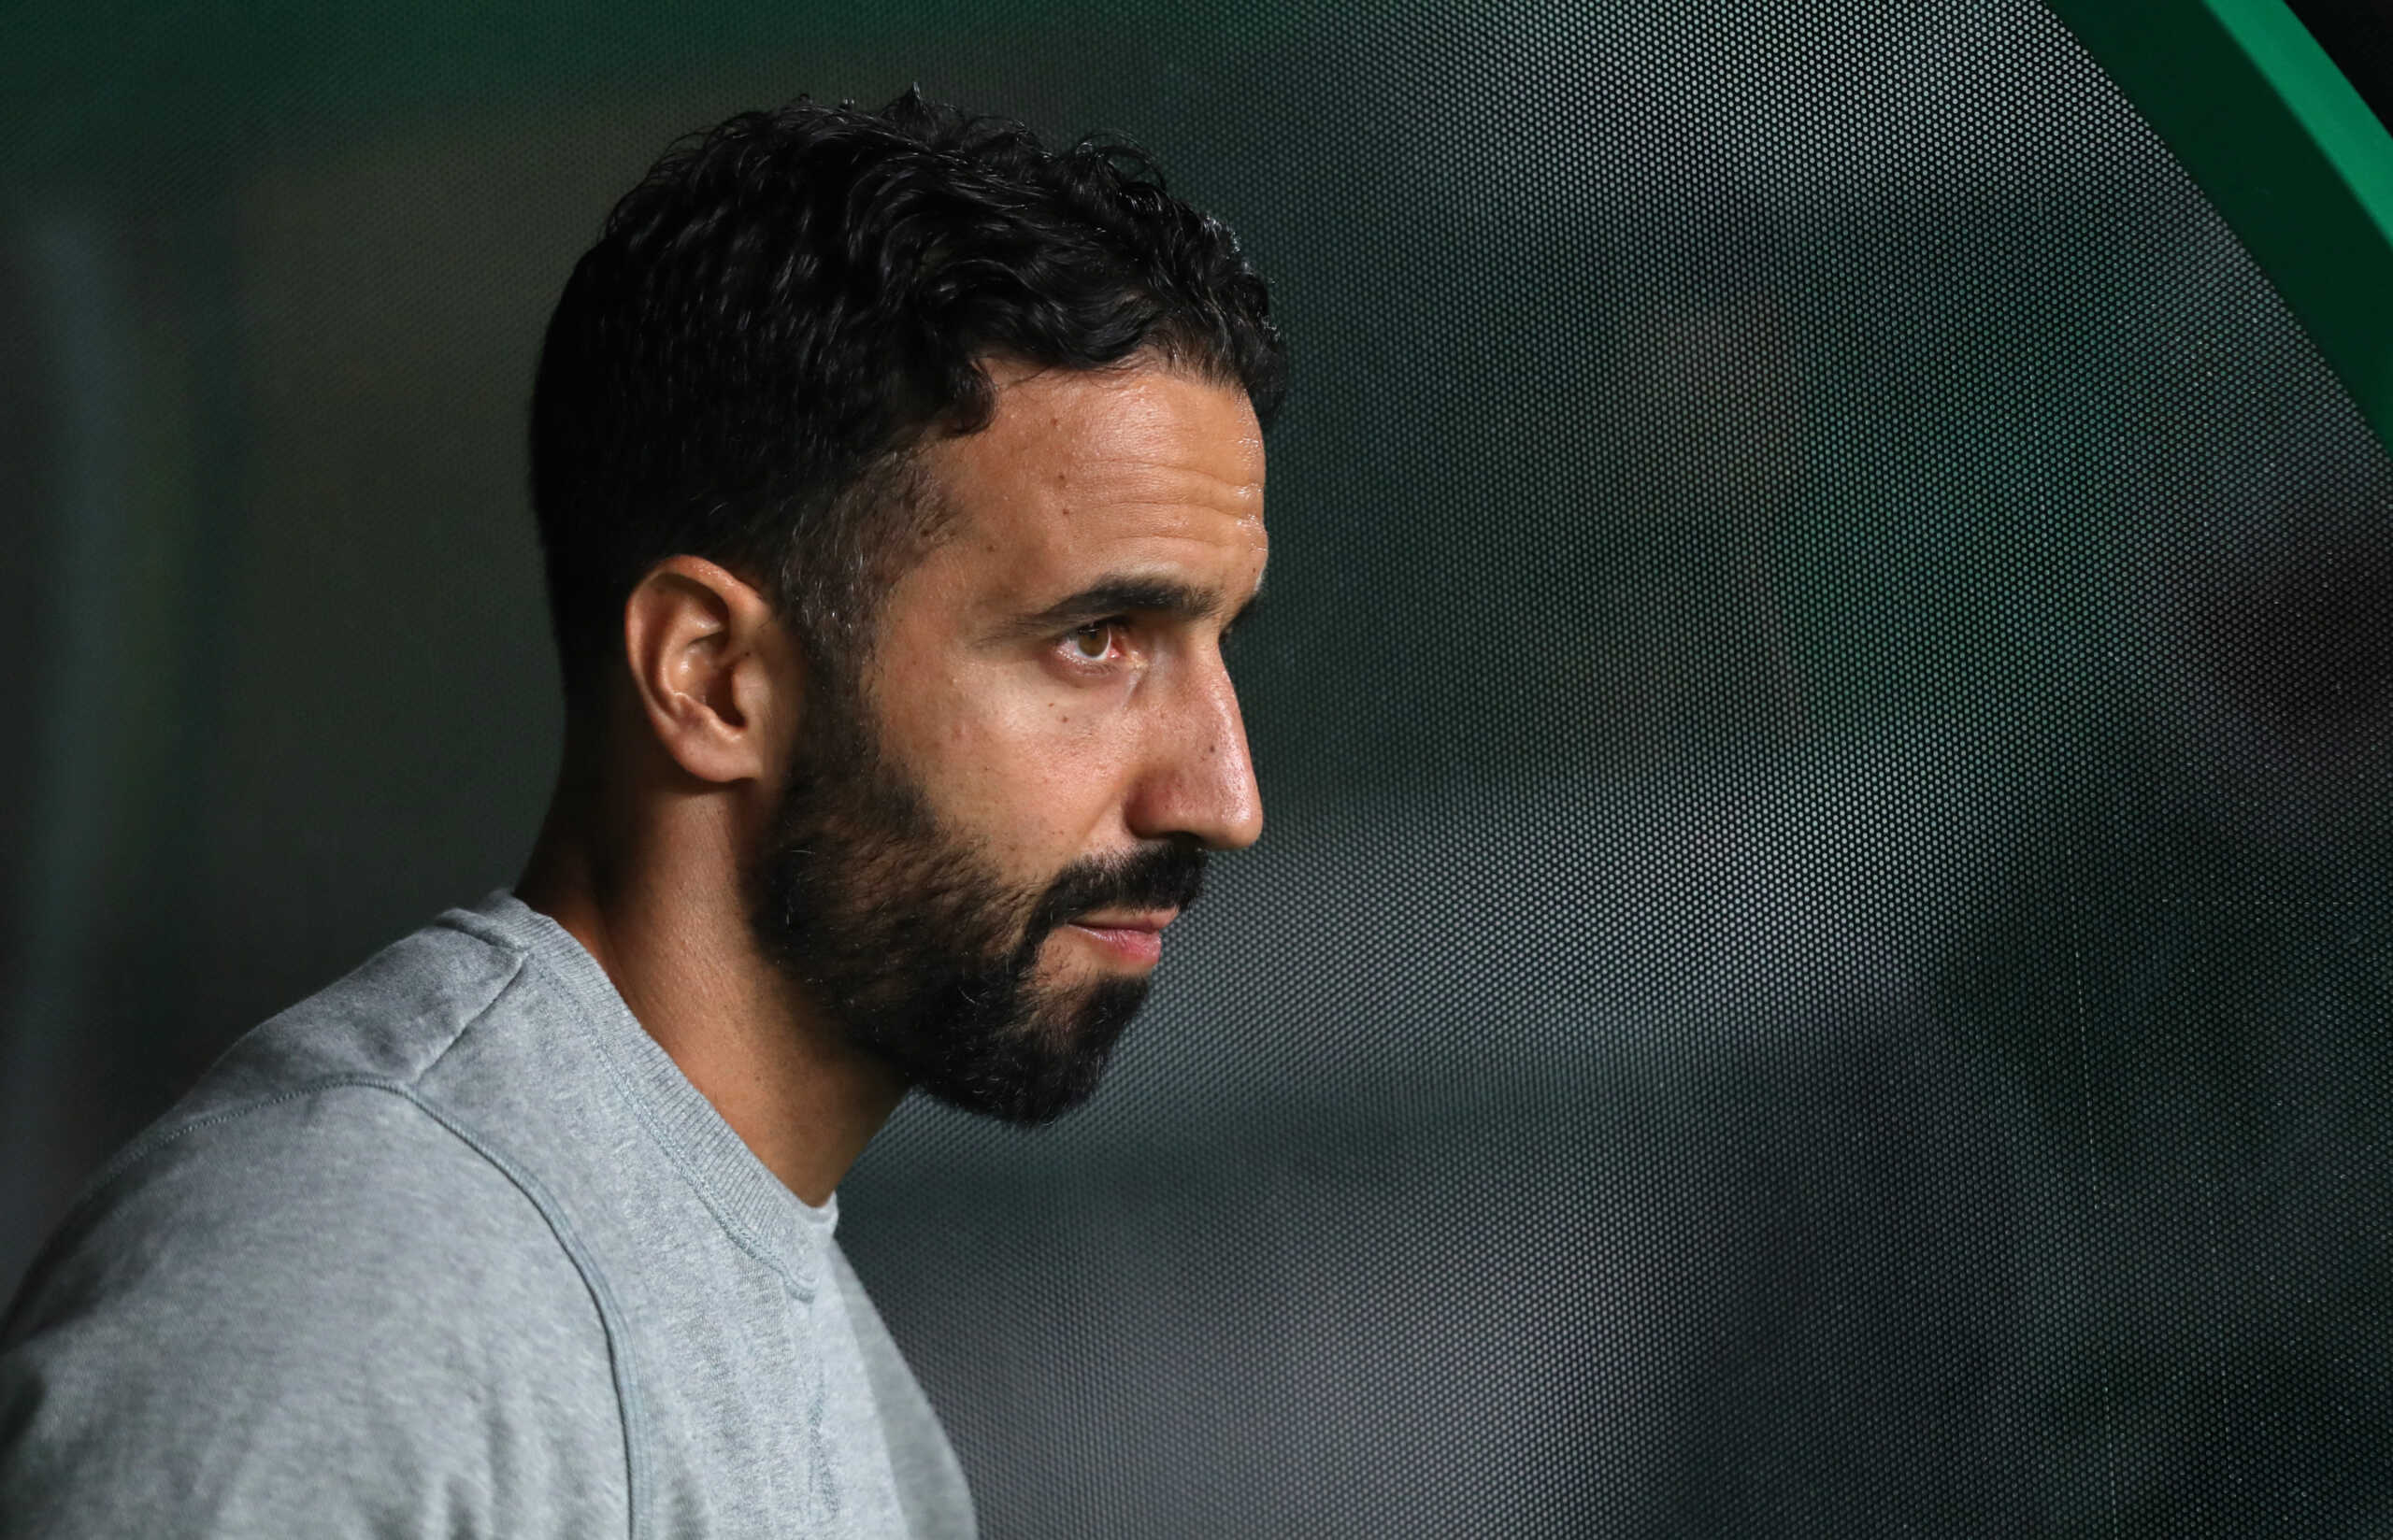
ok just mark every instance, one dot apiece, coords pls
pixel 347 1191
pixel 326 1298
pixel 306 1277
pixel 319 1151
pixel 392 1019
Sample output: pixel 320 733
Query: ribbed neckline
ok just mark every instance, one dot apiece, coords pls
pixel 760 1214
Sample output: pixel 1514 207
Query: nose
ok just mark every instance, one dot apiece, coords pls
pixel 1199 778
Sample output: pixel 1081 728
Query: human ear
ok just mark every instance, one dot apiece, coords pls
pixel 712 669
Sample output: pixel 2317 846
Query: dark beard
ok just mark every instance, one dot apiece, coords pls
pixel 898 931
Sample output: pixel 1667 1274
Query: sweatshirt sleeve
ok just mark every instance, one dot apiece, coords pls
pixel 327 1314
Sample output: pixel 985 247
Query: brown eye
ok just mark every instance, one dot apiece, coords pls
pixel 1093 642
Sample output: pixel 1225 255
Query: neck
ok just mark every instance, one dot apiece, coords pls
pixel 647 879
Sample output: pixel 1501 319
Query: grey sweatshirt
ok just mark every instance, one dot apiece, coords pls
pixel 452 1249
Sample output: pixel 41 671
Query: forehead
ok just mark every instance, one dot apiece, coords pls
pixel 1147 468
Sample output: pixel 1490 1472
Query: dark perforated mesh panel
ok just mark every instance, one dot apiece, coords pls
pixel 1819 966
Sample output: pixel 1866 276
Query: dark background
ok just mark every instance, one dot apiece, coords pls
pixel 1820 964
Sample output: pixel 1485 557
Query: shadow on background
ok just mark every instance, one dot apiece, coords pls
pixel 1820 962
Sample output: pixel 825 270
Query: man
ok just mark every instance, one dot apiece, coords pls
pixel 897 481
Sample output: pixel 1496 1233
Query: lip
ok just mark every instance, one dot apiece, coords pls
pixel 1135 939
pixel 1144 919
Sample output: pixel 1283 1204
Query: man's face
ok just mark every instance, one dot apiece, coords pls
pixel 974 861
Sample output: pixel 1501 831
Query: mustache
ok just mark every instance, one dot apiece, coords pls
pixel 1169 875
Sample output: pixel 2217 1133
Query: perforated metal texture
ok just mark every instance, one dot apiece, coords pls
pixel 1819 963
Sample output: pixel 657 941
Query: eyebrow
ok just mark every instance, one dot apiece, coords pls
pixel 1138 595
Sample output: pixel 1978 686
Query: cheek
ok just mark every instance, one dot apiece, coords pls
pixel 1036 773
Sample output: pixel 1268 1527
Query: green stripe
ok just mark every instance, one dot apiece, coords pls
pixel 2286 150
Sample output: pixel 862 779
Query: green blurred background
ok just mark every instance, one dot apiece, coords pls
pixel 1820 964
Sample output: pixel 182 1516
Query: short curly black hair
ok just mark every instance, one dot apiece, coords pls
pixel 775 316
